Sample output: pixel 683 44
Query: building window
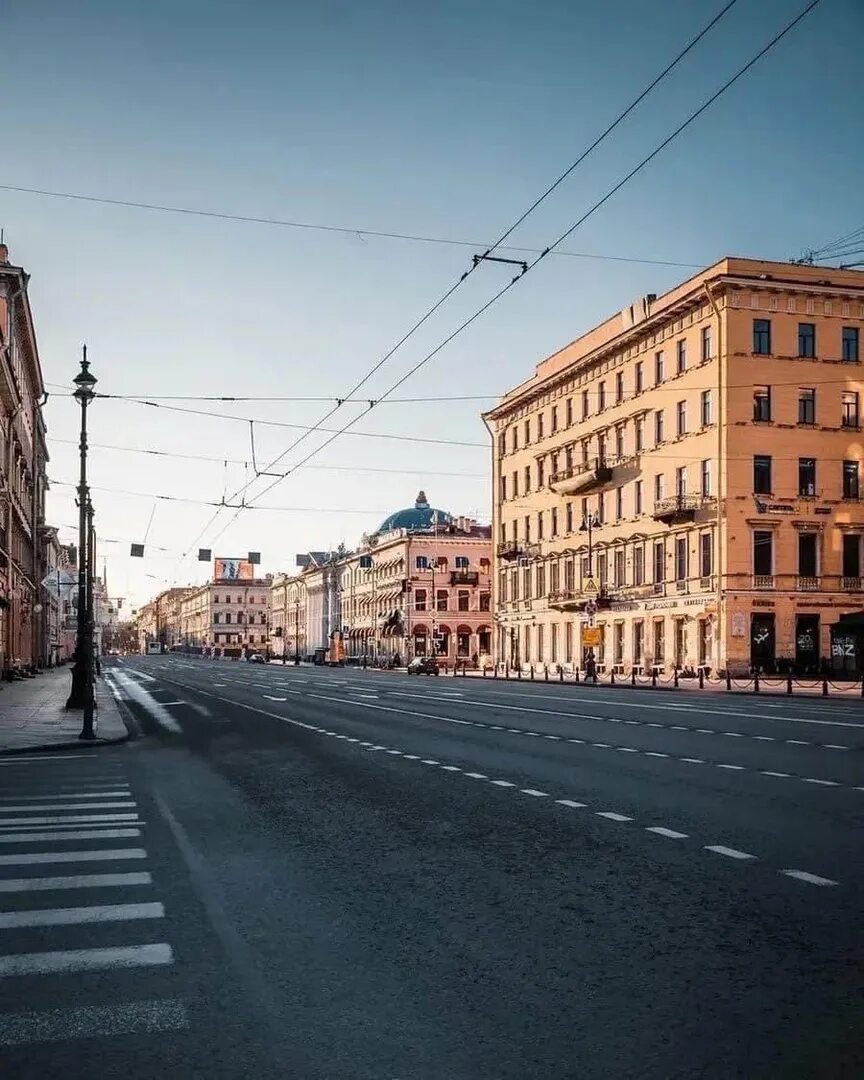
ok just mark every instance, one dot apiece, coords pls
pixel 568 517
pixel 681 558
pixel 619 566
pixel 569 575
pixel 514 438
pixel 463 600
pixel 586 408
pixel 541 579
pixel 705 477
pixel 681 357
pixel 601 447
pixel 659 561
pixel 619 388
pixel 527 432
pixel 707 344
pixel 639 377
pixel 658 368
pixel 659 487
pixel 851 556
pixel 539 524
pixel 807 555
pixel 619 442
pixel 540 643
pixel 849 409
pixel 568 460
pixel 763 554
pixel 851 487
pixel 541 472
pixel 681 481
pixel 639 427
pixel 553 417
pixel 484 601
pixel 706 555
pixel 527 480
pixel 705 408
pixel 502 486
pixel 681 418
pixel 217 617
pixel 762 475
pixel 618 643
pixel 540 432
pixel 637 497
pixel 762 337
pixel 806 405
pixel 515 483
pixel 554 577
pixel 461 562
pixel 419 599
pixel 502 444
pixel 619 503
pixel 638 642
pixel 441 599
pixel 658 427
pixel 568 411
pixel 421 562
pixel 807 477
pixel 601 396
pixel 527 528
pixel 807 339
pixel 227 616
pixel 850 344
pixel 659 626
pixel 228 598
pixel 638 565
pixel 603 568
pixel 553 521
pixel 761 404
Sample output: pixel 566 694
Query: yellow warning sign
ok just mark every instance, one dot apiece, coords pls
pixel 590 637
pixel 590 586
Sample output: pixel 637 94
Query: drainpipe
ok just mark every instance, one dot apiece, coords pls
pixel 720 475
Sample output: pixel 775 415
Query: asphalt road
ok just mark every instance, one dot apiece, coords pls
pixel 347 874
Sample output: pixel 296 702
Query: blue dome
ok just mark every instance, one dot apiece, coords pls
pixel 417 518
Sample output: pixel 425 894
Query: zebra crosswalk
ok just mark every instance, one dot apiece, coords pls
pixel 79 898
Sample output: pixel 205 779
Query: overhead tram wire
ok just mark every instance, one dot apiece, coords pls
pixel 568 232
pixel 492 247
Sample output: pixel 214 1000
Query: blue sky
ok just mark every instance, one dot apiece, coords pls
pixel 442 120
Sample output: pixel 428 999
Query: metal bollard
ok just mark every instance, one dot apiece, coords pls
pixel 824 688
pixel 728 681
pixel 546 673
pixel 633 676
pixel 789 685
pixel 484 671
pixel 519 672
pixel 675 677
pixel 756 680
pixel 612 677
pixel 654 678
pixel 701 678
pixel 576 679
pixel 560 673
pixel 532 673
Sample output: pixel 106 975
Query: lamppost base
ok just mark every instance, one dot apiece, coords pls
pixel 76 693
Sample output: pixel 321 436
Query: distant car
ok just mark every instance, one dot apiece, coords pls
pixel 256 658
pixel 423 665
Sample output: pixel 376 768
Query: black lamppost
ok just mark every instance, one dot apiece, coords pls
pixel 589 523
pixel 81 695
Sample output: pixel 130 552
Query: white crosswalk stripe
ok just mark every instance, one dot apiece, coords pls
pixel 53 889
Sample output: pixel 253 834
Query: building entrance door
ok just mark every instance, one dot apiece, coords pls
pixel 762 642
pixel 807 644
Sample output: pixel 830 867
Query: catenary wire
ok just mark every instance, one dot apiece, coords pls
pixel 568 232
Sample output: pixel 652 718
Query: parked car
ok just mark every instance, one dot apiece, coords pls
pixel 423 665
pixel 256 658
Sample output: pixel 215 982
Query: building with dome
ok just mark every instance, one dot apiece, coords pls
pixel 418 585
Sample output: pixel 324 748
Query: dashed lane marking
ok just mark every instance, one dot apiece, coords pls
pixel 811 879
pixel 729 852
pixel 74 960
pixel 571 803
pixel 533 791
pixel 74 916
pixel 611 815
pixel 671 834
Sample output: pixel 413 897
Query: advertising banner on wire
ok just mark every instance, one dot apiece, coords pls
pixel 232 569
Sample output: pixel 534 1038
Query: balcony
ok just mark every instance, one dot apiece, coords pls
pixel 677 509
pixel 807 583
pixel 464 577
pixel 575 599
pixel 583 477
pixel 763 581
pixel 851 584
pixel 508 550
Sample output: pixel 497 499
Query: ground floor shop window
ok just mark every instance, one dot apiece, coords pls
pixel 463 642
pixel 807 644
pixel 680 642
pixel 568 642
pixel 703 631
pixel 618 643
pixel 762 642
pixel 638 643
pixel 659 650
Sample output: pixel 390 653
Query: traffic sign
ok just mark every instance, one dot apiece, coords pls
pixel 590 586
pixel 590 637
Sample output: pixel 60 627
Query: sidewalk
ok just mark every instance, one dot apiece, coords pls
pixel 33 717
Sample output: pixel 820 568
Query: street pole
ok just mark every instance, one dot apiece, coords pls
pixel 296 630
pixel 82 669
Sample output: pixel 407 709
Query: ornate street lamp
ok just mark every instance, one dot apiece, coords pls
pixel 81 695
pixel 589 523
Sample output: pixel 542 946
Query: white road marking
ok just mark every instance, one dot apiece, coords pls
pixel 764 738
pixel 627 749
pixel 94 1021
pixel 612 816
pixel 578 742
pixel 69 960
pixel 69 819
pixel 670 833
pixel 553 738
pixel 411 757
pixel 42 759
pixel 75 881
pixel 399 752
pixel 824 783
pixel 74 916
pixel 692 760
pixel 25 809
pixel 502 783
pixel 451 768
pixel 675 727
pixel 704 730
pixel 835 746
pixel 733 734
pixel 428 761
pixel 86 793
pixel 655 753
pixel 569 802
pixel 737 768
pixel 84 834
pixel 797 742
pixel 602 745
pixel 731 853
pixel 811 879
pixel 155 709
pixel 533 791
pixel 476 775
pixel 271 698
pixel 33 858
pixel 769 772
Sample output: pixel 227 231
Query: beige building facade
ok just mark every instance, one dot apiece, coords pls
pixel 680 486
pixel 225 618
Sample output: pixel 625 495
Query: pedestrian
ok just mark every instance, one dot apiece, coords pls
pixel 590 666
